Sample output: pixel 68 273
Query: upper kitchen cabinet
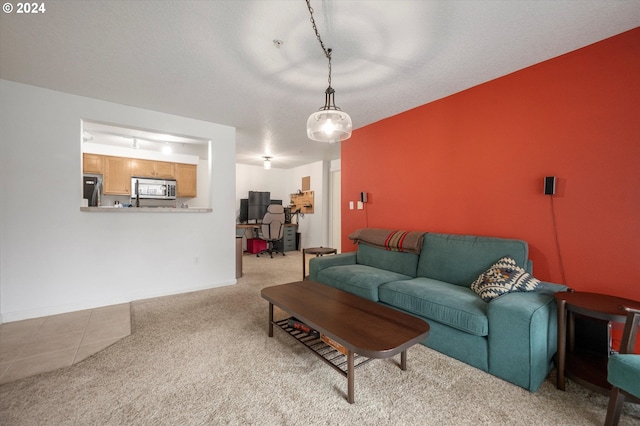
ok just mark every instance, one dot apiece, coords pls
pixel 187 180
pixel 153 169
pixel 117 175
pixel 92 163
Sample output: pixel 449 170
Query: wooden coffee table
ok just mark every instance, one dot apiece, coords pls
pixel 364 328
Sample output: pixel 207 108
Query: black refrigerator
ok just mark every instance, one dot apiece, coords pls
pixel 91 189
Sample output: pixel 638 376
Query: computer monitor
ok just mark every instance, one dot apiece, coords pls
pixel 258 203
pixel 244 210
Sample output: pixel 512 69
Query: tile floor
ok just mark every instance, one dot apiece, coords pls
pixel 38 345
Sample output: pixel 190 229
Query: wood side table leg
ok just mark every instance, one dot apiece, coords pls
pixel 304 265
pixel 270 319
pixel 350 378
pixel 562 343
pixel 403 360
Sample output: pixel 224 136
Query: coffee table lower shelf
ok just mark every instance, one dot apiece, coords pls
pixel 324 351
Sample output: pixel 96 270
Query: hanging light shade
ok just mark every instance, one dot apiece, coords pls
pixel 329 124
pixel 267 162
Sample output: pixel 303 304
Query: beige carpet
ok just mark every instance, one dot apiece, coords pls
pixel 204 358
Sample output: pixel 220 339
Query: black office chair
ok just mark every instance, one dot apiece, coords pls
pixel 272 228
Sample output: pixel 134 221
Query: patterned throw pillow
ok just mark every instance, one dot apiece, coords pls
pixel 503 277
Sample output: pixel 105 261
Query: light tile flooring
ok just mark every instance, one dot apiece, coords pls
pixel 38 345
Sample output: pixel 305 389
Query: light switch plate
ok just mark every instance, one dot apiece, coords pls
pixel 350 205
pixel 360 205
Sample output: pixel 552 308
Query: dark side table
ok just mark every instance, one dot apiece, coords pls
pixel 318 251
pixel 588 368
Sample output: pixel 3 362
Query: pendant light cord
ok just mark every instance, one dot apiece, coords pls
pixel 329 123
pixel 327 52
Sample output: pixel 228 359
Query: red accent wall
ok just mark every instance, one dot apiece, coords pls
pixel 474 163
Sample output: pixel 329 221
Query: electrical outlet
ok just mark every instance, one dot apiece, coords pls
pixel 360 205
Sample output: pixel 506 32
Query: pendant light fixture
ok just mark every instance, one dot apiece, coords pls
pixel 267 162
pixel 329 124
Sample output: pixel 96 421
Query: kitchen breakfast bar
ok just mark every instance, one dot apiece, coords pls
pixel 146 209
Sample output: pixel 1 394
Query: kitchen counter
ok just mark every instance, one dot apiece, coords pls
pixel 110 209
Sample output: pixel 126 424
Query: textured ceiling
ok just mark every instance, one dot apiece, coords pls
pixel 216 60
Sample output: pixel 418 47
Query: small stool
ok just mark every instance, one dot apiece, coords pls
pixel 318 251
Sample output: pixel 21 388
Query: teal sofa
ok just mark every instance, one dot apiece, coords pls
pixel 512 336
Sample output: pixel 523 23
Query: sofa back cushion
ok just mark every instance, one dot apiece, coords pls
pixel 460 259
pixel 399 262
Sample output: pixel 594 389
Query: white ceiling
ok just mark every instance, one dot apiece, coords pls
pixel 216 60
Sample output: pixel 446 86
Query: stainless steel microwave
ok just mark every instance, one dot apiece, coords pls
pixel 153 189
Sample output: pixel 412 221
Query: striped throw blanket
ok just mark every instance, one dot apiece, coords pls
pixel 404 241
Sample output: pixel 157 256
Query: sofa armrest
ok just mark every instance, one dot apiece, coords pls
pixel 550 288
pixel 522 337
pixel 316 264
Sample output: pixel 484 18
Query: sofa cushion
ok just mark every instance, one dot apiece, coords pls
pixel 401 263
pixel 459 259
pixel 503 277
pixel 622 372
pixel 361 280
pixel 449 304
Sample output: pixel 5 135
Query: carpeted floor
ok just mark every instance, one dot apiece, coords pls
pixel 205 358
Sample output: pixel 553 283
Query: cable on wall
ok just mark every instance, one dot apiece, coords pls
pixel 555 232
pixel 366 215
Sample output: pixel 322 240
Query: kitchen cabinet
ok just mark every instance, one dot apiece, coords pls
pixel 186 180
pixel 92 163
pixel 152 169
pixel 164 169
pixel 117 175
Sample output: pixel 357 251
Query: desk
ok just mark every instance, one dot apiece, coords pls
pixel 288 242
pixel 586 368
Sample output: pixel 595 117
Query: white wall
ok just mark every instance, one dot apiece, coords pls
pixel 256 178
pixel 54 258
pixel 284 182
pixel 120 151
pixel 314 228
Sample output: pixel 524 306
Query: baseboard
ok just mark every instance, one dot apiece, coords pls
pixel 8 317
pixel 56 310
pixel 173 291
